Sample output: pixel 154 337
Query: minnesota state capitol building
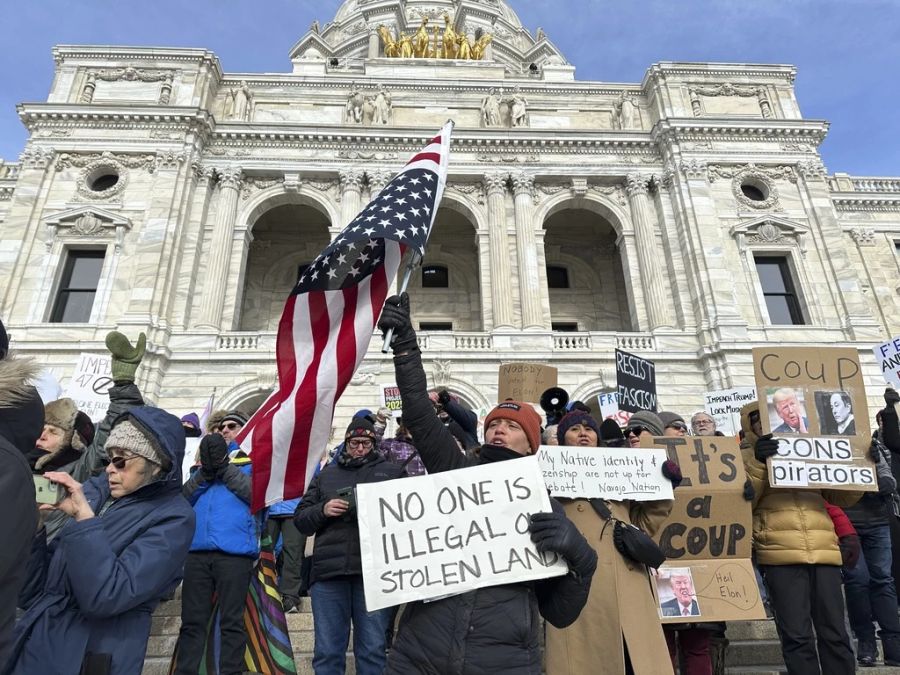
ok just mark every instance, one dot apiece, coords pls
pixel 686 218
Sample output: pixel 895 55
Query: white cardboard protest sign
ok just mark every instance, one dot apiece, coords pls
pixel 191 447
pixel 724 406
pixel 446 533
pixel 609 408
pixel 887 355
pixel 807 461
pixel 606 473
pixel 390 399
pixel 90 384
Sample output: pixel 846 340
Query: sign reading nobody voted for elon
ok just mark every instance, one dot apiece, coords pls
pixel 814 402
pixel 606 473
pixel 447 533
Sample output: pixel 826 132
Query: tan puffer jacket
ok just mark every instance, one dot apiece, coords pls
pixel 790 526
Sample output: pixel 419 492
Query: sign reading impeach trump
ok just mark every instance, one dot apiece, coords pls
pixel 814 401
pixel 707 536
pixel 446 533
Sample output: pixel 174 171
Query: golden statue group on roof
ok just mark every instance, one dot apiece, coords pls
pixel 449 45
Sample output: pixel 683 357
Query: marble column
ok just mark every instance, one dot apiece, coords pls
pixel 498 244
pixel 378 178
pixel 220 250
pixel 351 193
pixel 526 245
pixel 650 259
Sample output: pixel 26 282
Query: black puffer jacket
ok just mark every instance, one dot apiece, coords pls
pixel 336 551
pixel 489 631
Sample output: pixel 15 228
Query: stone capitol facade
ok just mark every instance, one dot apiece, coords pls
pixel 686 218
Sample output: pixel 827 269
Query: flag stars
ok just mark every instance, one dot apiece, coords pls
pixel 414 181
pixel 400 233
pixel 368 231
pixel 426 191
pixel 415 195
pixel 400 201
pixel 386 209
pixel 384 223
pixel 400 216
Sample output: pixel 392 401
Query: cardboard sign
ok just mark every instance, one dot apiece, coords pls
pixel 707 537
pixel 814 401
pixel 607 473
pixel 90 384
pixel 609 408
pixel 390 399
pixel 887 355
pixel 636 382
pixel 724 406
pixel 430 536
pixel 524 381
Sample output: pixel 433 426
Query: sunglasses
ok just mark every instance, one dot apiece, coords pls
pixel 231 426
pixel 120 462
pixel 678 426
pixel 636 430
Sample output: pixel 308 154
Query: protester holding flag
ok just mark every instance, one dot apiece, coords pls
pixel 619 630
pixel 494 629
pixel 328 511
pixel 800 559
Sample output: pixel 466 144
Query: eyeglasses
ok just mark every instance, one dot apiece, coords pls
pixel 636 430
pixel 120 462
pixel 359 443
pixel 679 426
pixel 231 426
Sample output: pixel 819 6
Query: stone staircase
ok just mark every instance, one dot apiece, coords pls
pixel 753 650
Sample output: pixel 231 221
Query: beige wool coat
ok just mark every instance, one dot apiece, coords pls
pixel 621 603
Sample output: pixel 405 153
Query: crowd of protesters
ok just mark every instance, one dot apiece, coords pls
pixel 82 571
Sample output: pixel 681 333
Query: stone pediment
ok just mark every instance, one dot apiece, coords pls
pixel 88 222
pixel 311 47
pixel 769 231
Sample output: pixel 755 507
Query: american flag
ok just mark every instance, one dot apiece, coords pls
pixel 329 319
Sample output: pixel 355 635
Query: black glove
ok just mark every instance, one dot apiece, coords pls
pixel 396 315
pixel 673 472
pixel 766 447
pixel 886 485
pixel 749 492
pixel 891 397
pixel 213 455
pixel 849 550
pixel 554 532
pixel 444 397
pixel 874 452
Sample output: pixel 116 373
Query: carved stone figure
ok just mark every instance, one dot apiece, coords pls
pixel 229 104
pixel 420 39
pixel 490 110
pixel 314 27
pixel 625 111
pixel 368 110
pixel 354 109
pixel 241 97
pixel 540 35
pixel 382 112
pixel 518 109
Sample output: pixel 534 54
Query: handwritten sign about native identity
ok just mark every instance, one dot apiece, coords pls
pixel 636 382
pixel 724 406
pixel 430 536
pixel 708 532
pixel 606 473
pixel 814 401
pixel 524 381
pixel 390 399
pixel 90 384
pixel 887 355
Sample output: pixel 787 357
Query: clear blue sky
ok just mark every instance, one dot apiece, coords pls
pixel 847 51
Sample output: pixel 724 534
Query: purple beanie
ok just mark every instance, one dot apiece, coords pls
pixel 573 418
pixel 191 418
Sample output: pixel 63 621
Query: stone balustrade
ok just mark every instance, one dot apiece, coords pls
pixel 9 170
pixel 238 341
pixel 876 184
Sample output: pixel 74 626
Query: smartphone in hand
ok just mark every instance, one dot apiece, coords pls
pixel 46 491
pixel 349 496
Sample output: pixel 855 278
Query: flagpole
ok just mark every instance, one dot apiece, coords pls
pixel 404 282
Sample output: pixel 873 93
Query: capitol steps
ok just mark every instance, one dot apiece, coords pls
pixel 753 645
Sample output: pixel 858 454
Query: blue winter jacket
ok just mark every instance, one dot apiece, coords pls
pixel 222 507
pixel 93 588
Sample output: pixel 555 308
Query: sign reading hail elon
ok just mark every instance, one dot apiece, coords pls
pixel 636 382
pixel 814 401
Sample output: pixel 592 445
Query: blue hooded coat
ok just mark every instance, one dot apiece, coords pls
pixel 92 590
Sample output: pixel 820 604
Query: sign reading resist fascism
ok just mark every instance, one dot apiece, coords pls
pixel 606 473
pixel 636 382
pixel 90 384
pixel 814 402
pixel 709 529
pixel 446 533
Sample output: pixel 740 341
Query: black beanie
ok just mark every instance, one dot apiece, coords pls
pixel 361 427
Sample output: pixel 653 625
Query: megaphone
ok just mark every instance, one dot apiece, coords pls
pixel 553 402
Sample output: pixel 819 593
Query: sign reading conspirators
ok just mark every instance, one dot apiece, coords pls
pixel 636 382
pixel 522 381
pixel 887 355
pixel 90 384
pixel 446 533
pixel 707 537
pixel 605 473
pixel 724 406
pixel 814 401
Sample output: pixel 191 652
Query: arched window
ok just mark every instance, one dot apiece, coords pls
pixel 435 276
